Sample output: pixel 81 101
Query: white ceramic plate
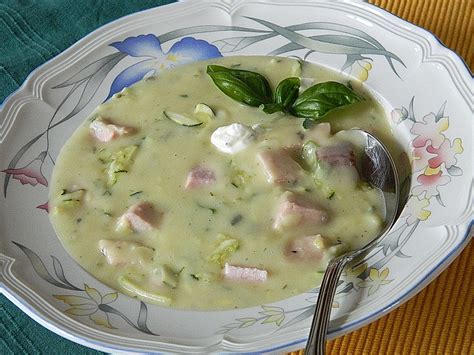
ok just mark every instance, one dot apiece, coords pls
pixel 428 95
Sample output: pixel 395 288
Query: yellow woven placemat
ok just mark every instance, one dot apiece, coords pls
pixel 440 319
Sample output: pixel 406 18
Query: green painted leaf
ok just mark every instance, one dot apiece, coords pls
pixel 109 297
pixel 246 322
pixel 41 270
pixel 277 319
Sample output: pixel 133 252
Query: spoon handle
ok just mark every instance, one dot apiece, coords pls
pixel 317 335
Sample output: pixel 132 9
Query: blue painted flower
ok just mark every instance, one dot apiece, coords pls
pixel 148 48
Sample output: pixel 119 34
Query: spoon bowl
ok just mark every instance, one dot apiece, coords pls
pixel 378 169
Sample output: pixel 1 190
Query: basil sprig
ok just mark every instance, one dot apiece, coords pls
pixel 244 86
pixel 253 89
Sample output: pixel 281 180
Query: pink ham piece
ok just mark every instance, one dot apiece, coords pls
pixel 141 217
pixel 239 273
pixel 297 211
pixel 200 176
pixel 337 155
pixel 279 167
pixel 105 131
pixel 308 248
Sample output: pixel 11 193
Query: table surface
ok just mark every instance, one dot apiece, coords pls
pixel 439 320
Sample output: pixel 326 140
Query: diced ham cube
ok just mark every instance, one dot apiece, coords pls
pixel 337 155
pixel 308 248
pixel 294 151
pixel 141 217
pixel 239 273
pixel 200 176
pixel 319 133
pixel 120 252
pixel 297 211
pixel 104 131
pixel 279 167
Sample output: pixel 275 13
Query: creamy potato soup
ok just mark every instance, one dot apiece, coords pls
pixel 177 193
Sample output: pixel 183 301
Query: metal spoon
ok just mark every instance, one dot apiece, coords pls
pixel 378 168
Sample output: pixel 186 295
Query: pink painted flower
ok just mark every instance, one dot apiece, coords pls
pixel 420 158
pixel 43 207
pixel 429 184
pixel 429 130
pixel 30 173
pixel 446 153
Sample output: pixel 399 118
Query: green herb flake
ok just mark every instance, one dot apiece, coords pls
pixel 236 219
pixel 212 209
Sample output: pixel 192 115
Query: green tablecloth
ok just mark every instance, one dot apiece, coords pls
pixel 31 32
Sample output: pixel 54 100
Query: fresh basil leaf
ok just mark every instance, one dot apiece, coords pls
pixel 272 108
pixel 284 96
pixel 287 92
pixel 322 98
pixel 244 86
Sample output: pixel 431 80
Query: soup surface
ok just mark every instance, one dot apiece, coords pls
pixel 174 193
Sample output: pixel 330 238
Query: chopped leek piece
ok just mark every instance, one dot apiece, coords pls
pixel 145 294
pixel 169 277
pixel 182 120
pixel 69 200
pixel 225 248
pixel 309 155
pixel 119 162
pixel 204 113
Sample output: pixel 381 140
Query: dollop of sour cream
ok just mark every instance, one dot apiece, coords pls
pixel 233 138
